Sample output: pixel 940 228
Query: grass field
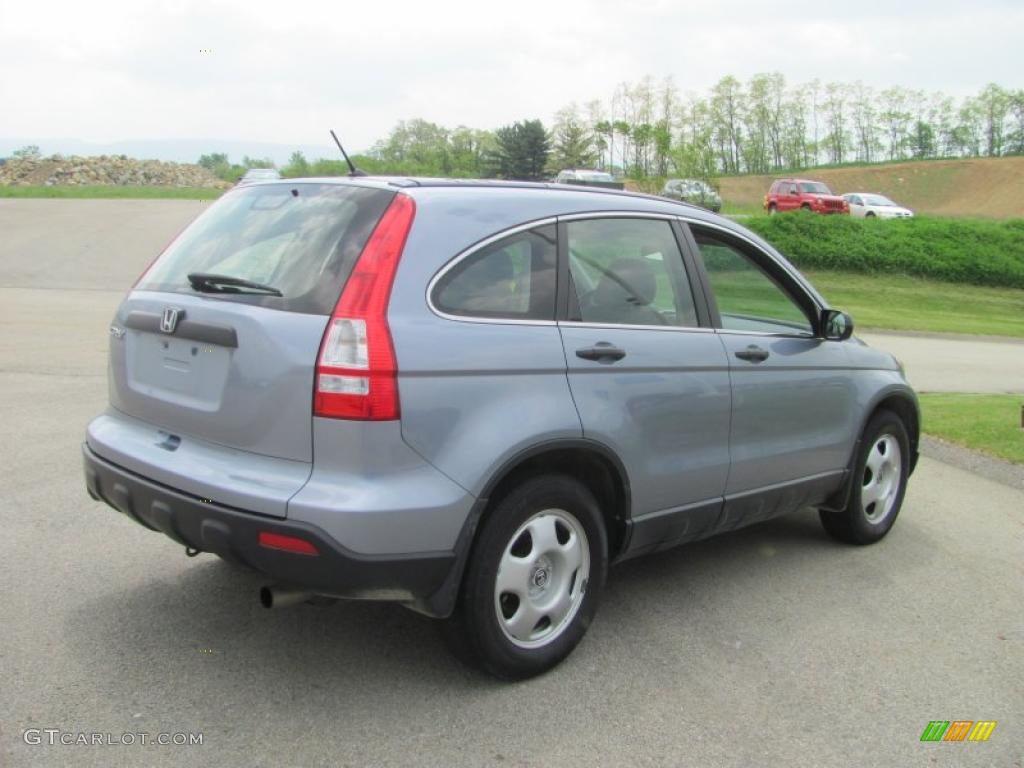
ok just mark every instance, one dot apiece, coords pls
pixel 987 423
pixel 108 191
pixel 902 303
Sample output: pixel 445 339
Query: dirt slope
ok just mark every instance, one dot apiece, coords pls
pixel 990 187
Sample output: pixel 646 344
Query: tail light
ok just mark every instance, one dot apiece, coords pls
pixel 356 371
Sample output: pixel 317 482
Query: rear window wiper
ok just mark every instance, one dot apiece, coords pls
pixel 208 283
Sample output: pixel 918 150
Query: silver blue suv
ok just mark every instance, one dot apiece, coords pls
pixel 471 398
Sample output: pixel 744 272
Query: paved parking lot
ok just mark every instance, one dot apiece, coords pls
pixel 769 646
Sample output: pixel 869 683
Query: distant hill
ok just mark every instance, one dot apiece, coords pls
pixel 988 187
pixel 173 150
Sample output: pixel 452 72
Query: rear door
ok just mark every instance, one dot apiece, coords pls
pixel 232 365
pixel 793 401
pixel 649 379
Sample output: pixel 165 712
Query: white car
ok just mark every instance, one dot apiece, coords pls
pixel 869 205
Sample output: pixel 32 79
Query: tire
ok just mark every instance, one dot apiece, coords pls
pixel 772 210
pixel 805 207
pixel 879 483
pixel 869 215
pixel 546 539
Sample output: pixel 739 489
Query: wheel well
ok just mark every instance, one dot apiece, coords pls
pixel 596 471
pixel 905 410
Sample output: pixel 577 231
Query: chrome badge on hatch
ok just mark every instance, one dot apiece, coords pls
pixel 169 321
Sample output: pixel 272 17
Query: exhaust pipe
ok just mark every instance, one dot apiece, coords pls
pixel 280 597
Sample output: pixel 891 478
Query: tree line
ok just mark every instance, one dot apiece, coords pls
pixel 764 125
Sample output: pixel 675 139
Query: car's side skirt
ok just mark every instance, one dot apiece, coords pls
pixel 667 528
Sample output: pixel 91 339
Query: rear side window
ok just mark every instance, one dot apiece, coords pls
pixel 628 272
pixel 513 278
pixel 301 239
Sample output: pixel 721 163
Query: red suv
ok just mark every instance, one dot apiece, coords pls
pixel 797 194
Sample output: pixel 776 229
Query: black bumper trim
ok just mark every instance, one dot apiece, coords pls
pixel 233 534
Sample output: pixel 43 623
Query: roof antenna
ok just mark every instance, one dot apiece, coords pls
pixel 353 171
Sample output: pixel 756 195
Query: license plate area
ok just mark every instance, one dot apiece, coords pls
pixel 182 371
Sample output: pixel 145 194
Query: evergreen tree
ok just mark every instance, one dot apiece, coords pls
pixel 522 151
pixel 574 146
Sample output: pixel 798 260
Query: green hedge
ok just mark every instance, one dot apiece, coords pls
pixel 954 250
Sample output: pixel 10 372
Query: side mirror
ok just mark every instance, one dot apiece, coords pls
pixel 836 325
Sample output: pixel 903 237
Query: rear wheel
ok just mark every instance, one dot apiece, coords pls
pixel 805 207
pixel 772 210
pixel 869 215
pixel 533 579
pixel 880 482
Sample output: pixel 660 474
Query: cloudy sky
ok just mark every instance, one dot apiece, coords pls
pixel 283 71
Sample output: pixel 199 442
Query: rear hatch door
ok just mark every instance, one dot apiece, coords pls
pixel 218 341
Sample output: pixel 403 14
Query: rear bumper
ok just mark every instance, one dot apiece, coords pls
pixel 234 535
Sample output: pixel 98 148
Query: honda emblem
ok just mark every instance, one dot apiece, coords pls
pixel 170 319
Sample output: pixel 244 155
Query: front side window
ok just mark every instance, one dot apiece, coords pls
pixel 628 272
pixel 748 298
pixel 513 278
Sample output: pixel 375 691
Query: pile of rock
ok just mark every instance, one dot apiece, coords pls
pixel 104 170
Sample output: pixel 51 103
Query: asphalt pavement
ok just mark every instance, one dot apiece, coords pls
pixel 769 646
pixel 951 363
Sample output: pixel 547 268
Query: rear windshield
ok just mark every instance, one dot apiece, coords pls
pixel 301 239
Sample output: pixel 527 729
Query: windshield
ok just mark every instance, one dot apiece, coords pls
pixel 878 200
pixel 814 188
pixel 594 176
pixel 300 239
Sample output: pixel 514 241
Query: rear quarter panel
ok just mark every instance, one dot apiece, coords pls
pixel 473 393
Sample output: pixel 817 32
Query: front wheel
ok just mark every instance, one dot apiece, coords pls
pixel 533 579
pixel 879 483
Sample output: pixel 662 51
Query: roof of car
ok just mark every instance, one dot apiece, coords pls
pixel 411 181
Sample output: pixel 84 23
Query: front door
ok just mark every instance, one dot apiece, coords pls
pixel 793 412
